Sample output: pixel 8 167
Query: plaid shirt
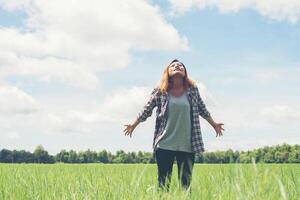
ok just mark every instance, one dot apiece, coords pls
pixel 160 100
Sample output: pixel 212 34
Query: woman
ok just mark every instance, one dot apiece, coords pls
pixel 177 126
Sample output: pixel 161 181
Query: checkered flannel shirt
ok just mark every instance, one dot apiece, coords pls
pixel 160 100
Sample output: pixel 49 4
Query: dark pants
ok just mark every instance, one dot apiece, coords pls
pixel 165 159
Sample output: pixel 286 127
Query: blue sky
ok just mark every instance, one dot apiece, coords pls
pixel 72 80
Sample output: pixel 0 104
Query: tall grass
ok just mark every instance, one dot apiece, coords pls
pixel 139 181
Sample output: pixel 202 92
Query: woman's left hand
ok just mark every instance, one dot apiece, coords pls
pixel 218 128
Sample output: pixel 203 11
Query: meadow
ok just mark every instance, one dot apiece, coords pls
pixel 139 181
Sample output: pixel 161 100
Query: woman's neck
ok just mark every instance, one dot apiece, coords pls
pixel 177 82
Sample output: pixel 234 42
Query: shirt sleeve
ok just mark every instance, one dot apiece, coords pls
pixel 202 107
pixel 148 108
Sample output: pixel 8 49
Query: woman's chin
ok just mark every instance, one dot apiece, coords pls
pixel 178 74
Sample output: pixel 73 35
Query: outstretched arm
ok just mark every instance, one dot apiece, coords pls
pixel 144 114
pixel 206 115
pixel 148 108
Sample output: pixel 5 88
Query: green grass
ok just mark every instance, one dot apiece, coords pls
pixel 139 181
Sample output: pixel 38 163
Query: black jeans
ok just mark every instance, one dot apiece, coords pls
pixel 185 162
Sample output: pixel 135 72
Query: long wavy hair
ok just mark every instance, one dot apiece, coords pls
pixel 166 81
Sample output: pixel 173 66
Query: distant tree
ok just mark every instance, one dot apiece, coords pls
pixel 6 156
pixel 82 157
pixel 140 157
pixel 73 158
pixel 210 157
pixel 281 157
pixel 245 157
pixel 103 156
pixel 91 156
pixel 229 156
pixel 132 157
pixel 259 155
pixel 22 156
pixel 148 158
pixel 269 157
pixel 269 154
pixel 199 158
pixel 42 156
pixel 236 156
pixel 120 157
pixel 294 157
pixel 62 156
pixel 110 157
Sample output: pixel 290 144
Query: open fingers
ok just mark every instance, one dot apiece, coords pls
pixel 126 127
pixel 219 133
pixel 128 131
pixel 125 130
pixel 222 127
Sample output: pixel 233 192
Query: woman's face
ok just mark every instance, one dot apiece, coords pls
pixel 176 68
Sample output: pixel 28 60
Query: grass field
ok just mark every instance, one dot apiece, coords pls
pixel 139 181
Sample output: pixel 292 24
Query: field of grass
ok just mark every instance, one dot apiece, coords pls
pixel 139 181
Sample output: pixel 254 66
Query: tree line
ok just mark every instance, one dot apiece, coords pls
pixel 283 153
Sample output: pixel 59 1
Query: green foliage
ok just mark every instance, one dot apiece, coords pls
pixel 270 154
pixel 41 155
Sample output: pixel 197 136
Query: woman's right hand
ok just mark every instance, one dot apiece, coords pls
pixel 129 129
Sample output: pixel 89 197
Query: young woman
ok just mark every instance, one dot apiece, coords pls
pixel 177 126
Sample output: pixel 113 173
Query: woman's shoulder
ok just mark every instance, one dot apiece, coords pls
pixel 155 91
pixel 193 87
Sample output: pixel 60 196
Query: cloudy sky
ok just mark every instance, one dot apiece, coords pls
pixel 72 73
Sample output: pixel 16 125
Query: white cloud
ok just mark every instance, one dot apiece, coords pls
pixel 81 124
pixel 126 103
pixel 70 42
pixel 273 9
pixel 50 69
pixel 278 114
pixel 14 101
pixel 121 106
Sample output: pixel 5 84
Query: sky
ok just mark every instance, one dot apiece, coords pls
pixel 72 74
